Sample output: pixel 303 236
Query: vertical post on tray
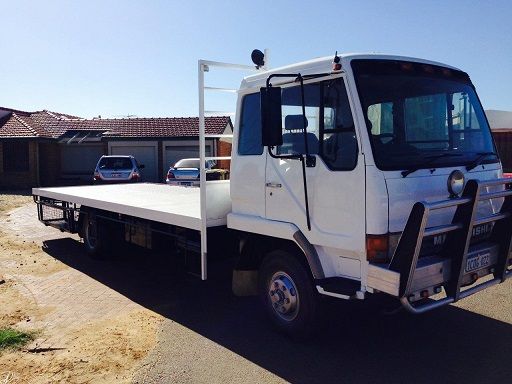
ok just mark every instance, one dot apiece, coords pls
pixel 205 66
pixel 202 174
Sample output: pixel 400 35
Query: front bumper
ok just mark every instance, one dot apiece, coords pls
pixel 461 264
pixel 114 181
pixel 184 182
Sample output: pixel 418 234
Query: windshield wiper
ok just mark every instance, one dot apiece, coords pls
pixel 481 156
pixel 430 160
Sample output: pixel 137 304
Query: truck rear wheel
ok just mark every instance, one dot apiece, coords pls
pixel 288 295
pixel 92 237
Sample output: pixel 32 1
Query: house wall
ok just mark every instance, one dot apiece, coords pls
pixel 144 151
pixel 1 159
pixel 504 143
pixel 49 164
pixel 160 162
pixel 224 149
pixel 48 154
pixel 20 180
pixel 77 162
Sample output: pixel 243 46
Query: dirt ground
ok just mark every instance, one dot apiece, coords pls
pixel 72 347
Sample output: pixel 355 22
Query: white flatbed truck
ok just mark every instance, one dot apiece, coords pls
pixel 350 176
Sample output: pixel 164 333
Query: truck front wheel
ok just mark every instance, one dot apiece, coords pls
pixel 287 291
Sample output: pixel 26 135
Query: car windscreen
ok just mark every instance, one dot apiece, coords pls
pixel 115 163
pixel 187 163
pixel 417 112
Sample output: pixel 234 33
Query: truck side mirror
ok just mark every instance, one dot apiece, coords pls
pixel 271 117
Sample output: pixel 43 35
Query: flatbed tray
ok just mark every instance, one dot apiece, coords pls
pixel 175 205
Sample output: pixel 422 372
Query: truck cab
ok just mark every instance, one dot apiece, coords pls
pixel 358 141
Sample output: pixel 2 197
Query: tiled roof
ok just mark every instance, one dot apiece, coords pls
pixel 141 127
pixel 162 127
pixel 53 125
pixel 16 127
pixel 15 123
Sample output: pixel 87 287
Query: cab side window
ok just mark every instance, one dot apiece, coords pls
pixel 249 138
pixel 293 120
pixel 329 124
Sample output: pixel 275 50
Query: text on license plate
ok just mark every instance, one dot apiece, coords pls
pixel 116 175
pixel 477 262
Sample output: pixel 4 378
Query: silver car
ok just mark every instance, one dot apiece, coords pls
pixel 117 169
pixel 186 172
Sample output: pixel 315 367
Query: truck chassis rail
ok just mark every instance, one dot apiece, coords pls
pixel 65 217
pixel 457 244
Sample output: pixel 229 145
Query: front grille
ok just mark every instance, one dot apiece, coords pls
pixel 433 245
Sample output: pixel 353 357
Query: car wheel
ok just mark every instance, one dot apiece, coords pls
pixel 287 292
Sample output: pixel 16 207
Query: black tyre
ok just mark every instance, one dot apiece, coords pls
pixel 288 294
pixel 93 240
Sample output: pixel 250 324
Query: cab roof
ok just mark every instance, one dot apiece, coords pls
pixel 324 65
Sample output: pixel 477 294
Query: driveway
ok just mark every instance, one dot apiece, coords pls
pixel 207 335
pixel 86 331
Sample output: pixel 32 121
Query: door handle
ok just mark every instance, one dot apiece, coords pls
pixel 273 185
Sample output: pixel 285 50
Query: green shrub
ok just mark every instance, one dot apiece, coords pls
pixel 11 338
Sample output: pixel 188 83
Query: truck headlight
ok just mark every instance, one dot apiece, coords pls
pixel 455 183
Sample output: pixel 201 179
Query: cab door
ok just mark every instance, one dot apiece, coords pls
pixel 336 184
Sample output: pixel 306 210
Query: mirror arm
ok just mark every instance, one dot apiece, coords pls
pixel 306 160
pixel 292 156
pixel 306 200
pixel 281 75
pixel 310 159
pixel 304 125
pixel 303 160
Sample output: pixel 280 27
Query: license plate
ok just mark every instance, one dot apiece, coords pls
pixel 116 175
pixel 479 261
pixel 186 183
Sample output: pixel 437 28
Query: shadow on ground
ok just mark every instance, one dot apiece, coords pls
pixel 357 344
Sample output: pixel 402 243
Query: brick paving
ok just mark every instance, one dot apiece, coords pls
pixel 72 298
pixel 22 222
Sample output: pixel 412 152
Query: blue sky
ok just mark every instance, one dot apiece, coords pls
pixel 118 58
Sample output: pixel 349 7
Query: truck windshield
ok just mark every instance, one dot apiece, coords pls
pixel 420 115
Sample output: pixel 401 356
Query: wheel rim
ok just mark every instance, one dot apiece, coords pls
pixel 91 234
pixel 284 296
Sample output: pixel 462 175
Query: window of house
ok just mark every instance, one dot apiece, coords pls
pixel 15 156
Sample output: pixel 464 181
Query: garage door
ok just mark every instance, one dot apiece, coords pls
pixel 79 159
pixel 173 153
pixel 144 154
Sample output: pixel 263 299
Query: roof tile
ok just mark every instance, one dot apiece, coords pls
pixel 49 124
pixel 150 127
